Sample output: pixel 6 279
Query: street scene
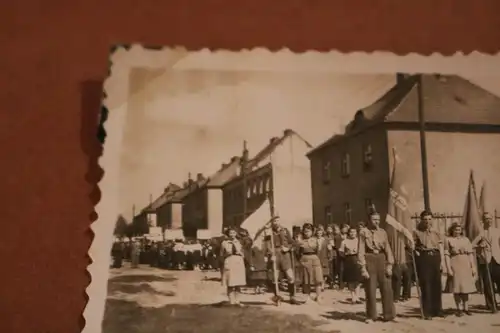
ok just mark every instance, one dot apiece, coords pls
pixel 152 300
pixel 305 200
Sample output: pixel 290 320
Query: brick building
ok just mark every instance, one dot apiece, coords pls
pixel 351 171
pixel 279 171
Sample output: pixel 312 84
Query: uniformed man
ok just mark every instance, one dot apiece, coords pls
pixel 376 260
pixel 487 245
pixel 429 262
pixel 281 256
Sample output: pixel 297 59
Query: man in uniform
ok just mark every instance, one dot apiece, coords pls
pixel 487 245
pixel 281 256
pixel 376 260
pixel 429 261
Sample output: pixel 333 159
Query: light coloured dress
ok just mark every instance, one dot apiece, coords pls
pixel 234 274
pixel 458 249
pixel 310 262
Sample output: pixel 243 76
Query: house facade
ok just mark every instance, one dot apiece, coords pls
pixel 351 172
pixel 280 172
pixel 202 208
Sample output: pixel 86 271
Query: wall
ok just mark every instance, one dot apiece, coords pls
pixel 360 185
pixel 450 156
pixel 164 216
pixel 194 210
pixel 292 182
pixel 214 211
pixel 176 215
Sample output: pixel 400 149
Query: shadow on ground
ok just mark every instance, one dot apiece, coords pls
pixel 142 278
pixel 127 288
pixel 123 316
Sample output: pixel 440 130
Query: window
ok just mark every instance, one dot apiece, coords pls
pixel 326 171
pixel 369 206
pixel 347 213
pixel 367 157
pixel 346 165
pixel 328 215
pixel 249 190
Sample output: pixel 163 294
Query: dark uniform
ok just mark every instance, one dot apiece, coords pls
pixel 281 238
pixel 375 257
pixel 428 252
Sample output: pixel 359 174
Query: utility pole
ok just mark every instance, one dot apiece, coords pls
pixel 423 146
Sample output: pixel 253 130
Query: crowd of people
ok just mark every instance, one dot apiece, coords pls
pixel 311 259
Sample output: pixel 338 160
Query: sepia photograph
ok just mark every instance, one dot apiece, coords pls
pixel 277 192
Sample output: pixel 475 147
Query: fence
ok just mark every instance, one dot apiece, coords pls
pixel 445 220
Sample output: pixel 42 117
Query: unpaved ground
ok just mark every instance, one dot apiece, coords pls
pixel 149 300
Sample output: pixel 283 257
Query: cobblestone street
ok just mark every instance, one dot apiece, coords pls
pixel 150 300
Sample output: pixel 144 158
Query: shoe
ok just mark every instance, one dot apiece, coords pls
pixel 427 318
pixel 368 321
pixel 459 313
pixel 467 312
pixel 390 320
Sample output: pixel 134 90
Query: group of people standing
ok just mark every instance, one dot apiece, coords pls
pixel 314 259
pixel 178 254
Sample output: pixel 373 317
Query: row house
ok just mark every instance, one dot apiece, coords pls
pixel 279 172
pixel 202 208
pixel 351 172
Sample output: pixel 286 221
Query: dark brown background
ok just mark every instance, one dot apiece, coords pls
pixel 54 57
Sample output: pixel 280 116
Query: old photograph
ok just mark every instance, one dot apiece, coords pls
pixel 277 192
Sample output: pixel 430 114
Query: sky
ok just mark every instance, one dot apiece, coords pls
pixel 192 117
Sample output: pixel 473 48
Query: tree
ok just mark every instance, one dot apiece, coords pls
pixel 122 227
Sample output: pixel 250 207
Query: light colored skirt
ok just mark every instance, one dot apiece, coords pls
pixel 312 272
pixel 234 273
pixel 463 281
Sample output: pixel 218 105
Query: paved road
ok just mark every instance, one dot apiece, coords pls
pixel 155 288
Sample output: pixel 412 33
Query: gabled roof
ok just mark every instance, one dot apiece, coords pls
pixel 225 174
pixel 271 147
pixel 447 100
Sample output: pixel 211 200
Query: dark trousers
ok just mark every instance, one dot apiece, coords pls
pixel 339 271
pixel 401 281
pixel 429 275
pixel 376 265
pixel 494 268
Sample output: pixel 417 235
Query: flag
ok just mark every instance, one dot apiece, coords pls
pixel 398 216
pixel 258 220
pixel 471 218
pixel 482 199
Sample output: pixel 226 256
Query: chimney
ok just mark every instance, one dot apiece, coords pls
pixel 223 165
pixel 287 132
pixel 245 153
pixel 186 184
pixel 273 139
pixel 401 77
pixel 199 177
pixel 234 159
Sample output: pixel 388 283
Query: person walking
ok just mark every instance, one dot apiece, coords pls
pixel 429 260
pixel 309 248
pixel 375 259
pixel 352 274
pixel 487 245
pixel 234 267
pixel 332 255
pixel 461 267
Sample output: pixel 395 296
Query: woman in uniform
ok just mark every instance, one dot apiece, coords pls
pixel 310 262
pixel 233 276
pixel 323 254
pixel 352 273
pixel 461 267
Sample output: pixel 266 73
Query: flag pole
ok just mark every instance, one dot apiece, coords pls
pixel 423 146
pixel 273 258
pixel 244 174
pixel 417 281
